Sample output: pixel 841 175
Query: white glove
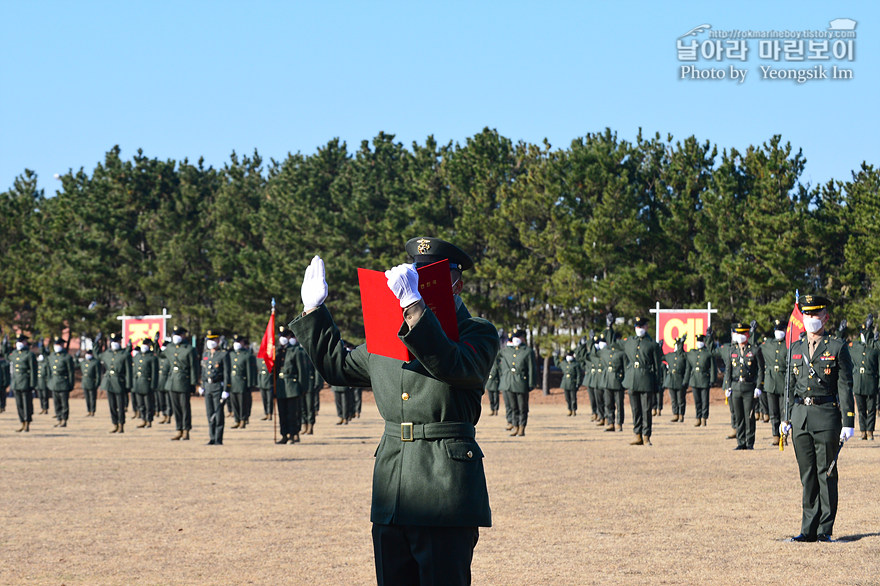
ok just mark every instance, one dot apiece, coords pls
pixel 784 428
pixel 846 433
pixel 403 280
pixel 201 391
pixel 726 392
pixel 314 286
pixel 757 392
pixel 224 395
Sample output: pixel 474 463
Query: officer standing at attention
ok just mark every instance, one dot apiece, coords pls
pixel 243 378
pixel 181 380
pixel 310 401
pixel 821 408
pixel 91 376
pixel 24 381
pixel 42 382
pixel 145 368
pixel 292 380
pixel 865 355
pixel 743 382
pixel 775 355
pixel 62 374
pixel 216 372
pixel 676 379
pixel 518 368
pixel 265 383
pixel 701 365
pixel 492 388
pixel 116 363
pixel 504 388
pixel 612 361
pixel 642 379
pixel 425 525
pixel 572 375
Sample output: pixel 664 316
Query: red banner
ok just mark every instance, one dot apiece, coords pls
pixel 267 344
pixel 795 326
pixel 673 324
pixel 136 329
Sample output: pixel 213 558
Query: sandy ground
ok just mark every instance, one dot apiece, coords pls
pixel 571 504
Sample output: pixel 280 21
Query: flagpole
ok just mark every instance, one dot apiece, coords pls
pixel 788 371
pixel 274 380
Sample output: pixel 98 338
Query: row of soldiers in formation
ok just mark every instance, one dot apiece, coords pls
pixel 160 382
pixel 607 365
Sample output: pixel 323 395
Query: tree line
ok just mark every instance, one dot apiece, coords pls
pixel 561 236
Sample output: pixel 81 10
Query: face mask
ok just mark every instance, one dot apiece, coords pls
pixel 812 324
pixel 236 346
pixel 115 346
pixel 89 356
pixel 58 348
pixel 701 345
pixel 779 335
pixel 640 332
pixel 175 339
pixel 738 338
pixel 211 344
pixel 601 345
pixel 145 349
pixel 282 340
pixel 19 345
pixel 516 341
pixel 569 358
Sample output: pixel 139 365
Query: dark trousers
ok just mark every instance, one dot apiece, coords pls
pixel 3 393
pixel 358 394
pixel 91 396
pixel 412 555
pixel 344 403
pixel 508 406
pixel 614 406
pixel 268 405
pixel 641 405
pixel 117 407
pixel 289 418
pixel 61 399
pixel 144 405
pixel 180 405
pixel 774 409
pixel 216 417
pixel 163 402
pixel 494 402
pixel 597 405
pixel 763 406
pixel 701 403
pixel 520 408
pixel 571 398
pixel 24 403
pixel 658 400
pixel 678 398
pixel 744 410
pixel 43 395
pixel 814 452
pixel 732 412
pixel 237 402
pixel 309 401
pixel 867 405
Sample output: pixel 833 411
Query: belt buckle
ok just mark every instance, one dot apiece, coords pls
pixel 403 432
pixel 808 400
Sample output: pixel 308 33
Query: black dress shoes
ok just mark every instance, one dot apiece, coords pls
pixel 824 537
pixel 740 448
pixel 804 538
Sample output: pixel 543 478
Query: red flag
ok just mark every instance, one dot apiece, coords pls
pixel 267 346
pixel 795 326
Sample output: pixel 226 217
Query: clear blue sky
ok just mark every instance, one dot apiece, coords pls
pixel 198 78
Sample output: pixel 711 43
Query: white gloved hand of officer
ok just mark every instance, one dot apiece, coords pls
pixel 757 392
pixel 314 285
pixel 846 433
pixel 726 392
pixel 403 280
pixel 784 428
pixel 201 391
pixel 224 395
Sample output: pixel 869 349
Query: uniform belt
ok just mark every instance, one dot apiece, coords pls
pixel 409 432
pixel 815 400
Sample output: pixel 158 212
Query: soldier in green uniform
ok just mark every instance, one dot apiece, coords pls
pixel 613 362
pixel 821 409
pixel 676 379
pixel 265 382
pixel 61 376
pixel 518 369
pixel 145 370
pixel 504 388
pixel 310 401
pixel 702 369
pixel 42 382
pixel 294 375
pixel 243 378
pixel 572 375
pixel 641 378
pixel 163 396
pixel 743 382
pixel 429 485
pixel 91 376
pixel 775 354
pixel 181 381
pixel 5 378
pixel 215 380
pixel 865 356
pixel 585 354
pixel 492 389
pixel 357 393
pixel 116 364
pixel 344 397
pixel 24 380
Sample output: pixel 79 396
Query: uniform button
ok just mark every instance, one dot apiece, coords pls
pixel 470 454
pixel 405 396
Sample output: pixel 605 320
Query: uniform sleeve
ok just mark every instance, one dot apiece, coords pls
pixel 725 384
pixel 844 387
pixel 33 369
pixel 154 373
pixel 129 375
pixel 251 371
pixel 321 340
pixel 71 371
pixel 194 367
pixel 761 366
pixel 533 370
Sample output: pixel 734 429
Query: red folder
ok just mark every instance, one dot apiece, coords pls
pixel 383 315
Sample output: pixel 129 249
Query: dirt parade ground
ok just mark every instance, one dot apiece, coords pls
pixel 571 504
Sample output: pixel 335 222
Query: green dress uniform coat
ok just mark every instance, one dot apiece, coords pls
pixel 216 375
pixel 641 378
pixel 61 376
pixel 825 381
pixel 264 383
pixel 676 380
pixel 572 375
pixel 429 467
pixel 91 377
pixel 518 377
pixel 117 380
pixel 612 361
pixel 493 386
pixel 866 368
pixel 24 381
pixel 145 371
pixel 43 381
pixel 775 356
pixel 744 373
pixel 243 378
pixel 181 382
